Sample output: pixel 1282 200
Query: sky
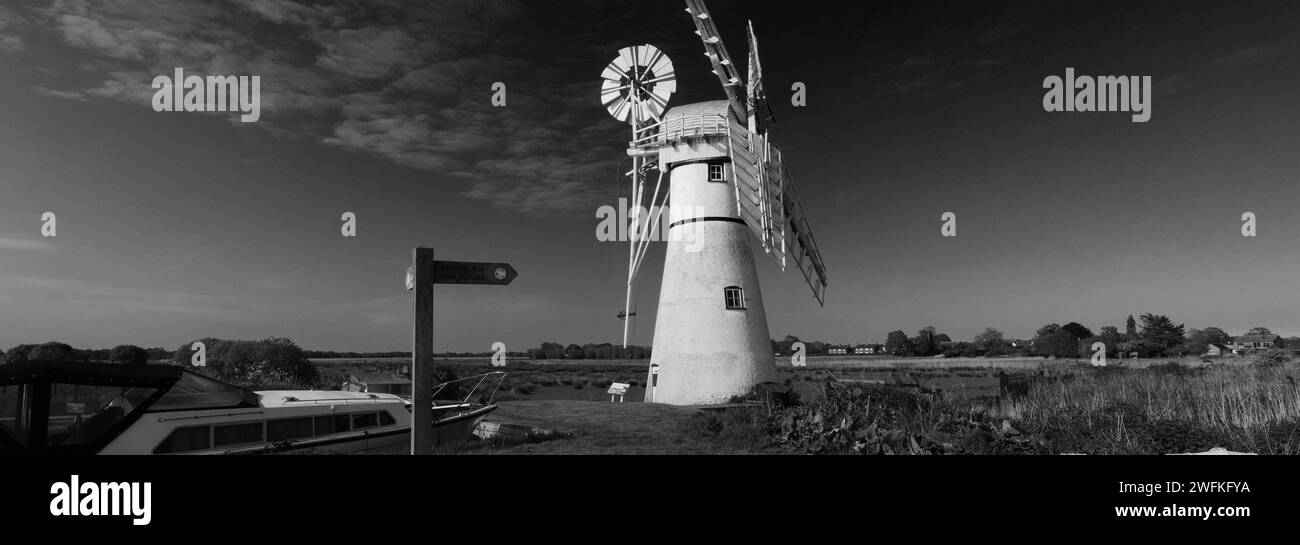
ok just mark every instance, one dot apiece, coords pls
pixel 172 226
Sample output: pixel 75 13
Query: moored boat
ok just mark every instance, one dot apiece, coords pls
pixel 69 407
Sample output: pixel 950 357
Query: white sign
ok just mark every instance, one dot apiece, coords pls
pixel 410 278
pixel 617 389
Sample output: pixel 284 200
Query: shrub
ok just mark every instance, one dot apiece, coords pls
pixel 52 351
pixel 18 353
pixel 1272 358
pixel 129 354
pixel 268 361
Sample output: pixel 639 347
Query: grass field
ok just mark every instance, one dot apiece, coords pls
pixel 582 427
pixel 911 405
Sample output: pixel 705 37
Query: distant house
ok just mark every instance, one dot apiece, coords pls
pixel 1215 350
pixel 1248 344
pixel 864 349
pixel 838 350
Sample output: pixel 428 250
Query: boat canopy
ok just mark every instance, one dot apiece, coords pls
pixel 60 406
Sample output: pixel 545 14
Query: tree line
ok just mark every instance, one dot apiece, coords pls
pixel 589 351
pixel 57 351
pixel 267 361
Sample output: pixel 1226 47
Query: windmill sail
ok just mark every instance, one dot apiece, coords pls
pixel 801 245
pixel 760 112
pixel 766 199
pixel 717 54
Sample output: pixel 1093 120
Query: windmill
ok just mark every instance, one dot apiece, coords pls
pixel 725 181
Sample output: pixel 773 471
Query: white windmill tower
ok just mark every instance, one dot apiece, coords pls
pixel 726 180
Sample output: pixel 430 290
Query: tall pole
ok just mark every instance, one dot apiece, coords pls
pixel 422 354
pixel 636 207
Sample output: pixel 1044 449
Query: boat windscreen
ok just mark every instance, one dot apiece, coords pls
pixel 195 391
pixel 13 415
pixel 81 414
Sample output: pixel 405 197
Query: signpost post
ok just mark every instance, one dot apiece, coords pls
pixel 420 278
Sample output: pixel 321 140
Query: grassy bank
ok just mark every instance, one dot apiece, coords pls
pixel 1159 409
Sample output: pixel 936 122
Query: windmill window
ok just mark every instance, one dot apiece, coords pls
pixel 734 297
pixel 717 173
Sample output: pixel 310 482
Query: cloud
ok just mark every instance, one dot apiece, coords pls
pixel 82 297
pixel 997 33
pixel 405 82
pixel 1217 66
pixel 9 21
pixel 918 61
pixel 11 243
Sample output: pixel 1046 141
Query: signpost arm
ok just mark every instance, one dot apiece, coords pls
pixel 422 354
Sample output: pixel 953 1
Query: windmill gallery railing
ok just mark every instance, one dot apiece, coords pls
pixel 679 128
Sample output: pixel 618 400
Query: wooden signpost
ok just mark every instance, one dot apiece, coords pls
pixel 420 278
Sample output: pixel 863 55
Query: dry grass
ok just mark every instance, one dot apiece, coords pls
pixel 1242 407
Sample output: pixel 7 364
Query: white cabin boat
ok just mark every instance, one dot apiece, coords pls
pixel 68 407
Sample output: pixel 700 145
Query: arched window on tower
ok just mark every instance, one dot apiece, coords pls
pixel 734 297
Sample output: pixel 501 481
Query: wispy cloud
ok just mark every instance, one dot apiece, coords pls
pixel 97 298
pixel 408 82
pixel 10 21
pixel 14 243
pixel 1215 67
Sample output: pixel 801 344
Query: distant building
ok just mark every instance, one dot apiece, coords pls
pixel 1215 350
pixel 1249 344
pixel 838 350
pixel 864 349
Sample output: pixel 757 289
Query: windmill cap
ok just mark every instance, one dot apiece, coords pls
pixel 709 108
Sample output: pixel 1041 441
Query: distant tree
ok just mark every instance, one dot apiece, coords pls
pixel 552 351
pixel 272 361
pixel 1054 340
pixel 816 348
pixel 1111 336
pixel 573 352
pixel 1078 330
pixel 1130 326
pixel 990 342
pixel 898 344
pixel 53 351
pixel 18 353
pixel 1159 332
pixel 1199 340
pixel 1259 330
pixel 129 354
pixel 942 338
pixel 924 343
pixel 957 349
